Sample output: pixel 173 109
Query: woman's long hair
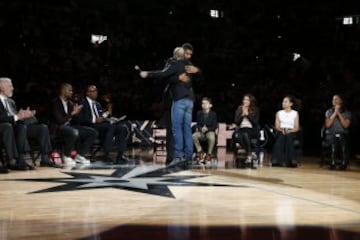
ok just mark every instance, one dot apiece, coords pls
pixel 295 101
pixel 343 103
pixel 252 107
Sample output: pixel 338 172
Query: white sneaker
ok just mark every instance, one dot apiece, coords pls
pixel 82 160
pixel 68 161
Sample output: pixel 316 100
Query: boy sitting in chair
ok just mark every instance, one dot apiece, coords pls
pixel 206 126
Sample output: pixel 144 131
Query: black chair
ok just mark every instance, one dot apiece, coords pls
pixel 159 143
pixel 95 149
pixel 34 153
pixel 334 149
pixel 325 155
pixel 2 155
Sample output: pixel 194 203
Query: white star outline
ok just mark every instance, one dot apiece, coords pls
pixel 130 180
pixel 153 180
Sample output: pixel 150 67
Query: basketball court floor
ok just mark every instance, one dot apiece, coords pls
pixel 146 200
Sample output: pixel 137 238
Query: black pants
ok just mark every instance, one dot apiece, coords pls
pixel 243 136
pixel 108 131
pixel 339 144
pixel 80 138
pixel 39 132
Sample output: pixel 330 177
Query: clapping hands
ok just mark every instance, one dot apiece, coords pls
pixel 26 113
pixel 76 109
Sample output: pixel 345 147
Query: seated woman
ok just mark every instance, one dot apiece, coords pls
pixel 247 126
pixel 286 127
pixel 337 123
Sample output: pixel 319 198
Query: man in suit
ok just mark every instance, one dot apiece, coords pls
pixel 25 126
pixel 72 135
pixel 93 115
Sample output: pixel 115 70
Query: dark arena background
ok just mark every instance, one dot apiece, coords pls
pixel 309 49
pixel 249 47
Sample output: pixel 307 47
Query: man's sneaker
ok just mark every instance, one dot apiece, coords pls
pixel 122 159
pixel 176 161
pixel 176 165
pixel 68 161
pixel 82 160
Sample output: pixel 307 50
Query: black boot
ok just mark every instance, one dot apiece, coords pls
pixel 344 155
pixel 107 158
pixel 121 158
pixel 332 164
pixel 294 164
pixel 343 165
pixel 168 161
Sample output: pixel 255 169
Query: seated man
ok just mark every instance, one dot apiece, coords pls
pixel 205 129
pixel 92 115
pixel 337 123
pixel 73 136
pixel 25 126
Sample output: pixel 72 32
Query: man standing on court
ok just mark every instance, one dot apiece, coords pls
pixel 182 104
pixel 167 99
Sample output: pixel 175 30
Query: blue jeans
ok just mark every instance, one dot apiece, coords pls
pixel 181 119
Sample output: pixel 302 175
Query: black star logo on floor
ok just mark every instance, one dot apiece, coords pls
pixel 145 179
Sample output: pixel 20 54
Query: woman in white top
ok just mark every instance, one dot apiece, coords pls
pixel 287 128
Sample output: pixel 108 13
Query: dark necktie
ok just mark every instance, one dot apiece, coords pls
pixel 95 110
pixel 8 108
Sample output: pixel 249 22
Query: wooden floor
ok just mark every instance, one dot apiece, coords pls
pixel 145 200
